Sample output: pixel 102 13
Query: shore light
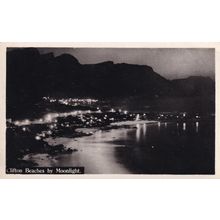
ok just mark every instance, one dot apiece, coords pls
pixel 37 137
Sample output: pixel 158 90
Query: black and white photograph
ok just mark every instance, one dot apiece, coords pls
pixel 102 110
pixel 110 110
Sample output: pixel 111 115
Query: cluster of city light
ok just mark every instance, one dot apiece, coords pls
pixel 22 122
pixel 90 119
pixel 180 115
pixel 43 134
pixel 71 101
pixel 52 117
pixel 49 118
pixel 81 101
pixel 49 99
pixel 99 117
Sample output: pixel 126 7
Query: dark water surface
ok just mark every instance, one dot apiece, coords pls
pixel 169 148
pixel 141 148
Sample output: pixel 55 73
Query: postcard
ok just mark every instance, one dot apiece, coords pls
pixel 109 110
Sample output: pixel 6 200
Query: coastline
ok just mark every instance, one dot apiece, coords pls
pixel 99 158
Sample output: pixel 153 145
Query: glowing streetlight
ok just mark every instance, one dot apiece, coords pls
pixel 37 138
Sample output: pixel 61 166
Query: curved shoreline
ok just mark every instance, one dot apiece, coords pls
pixel 95 151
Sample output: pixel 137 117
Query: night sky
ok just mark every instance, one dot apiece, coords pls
pixel 171 63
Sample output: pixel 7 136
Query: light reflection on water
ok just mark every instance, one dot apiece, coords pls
pixel 97 152
pixel 158 124
pixel 141 129
pixel 138 132
pixel 144 129
pixel 184 126
pixel 197 127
